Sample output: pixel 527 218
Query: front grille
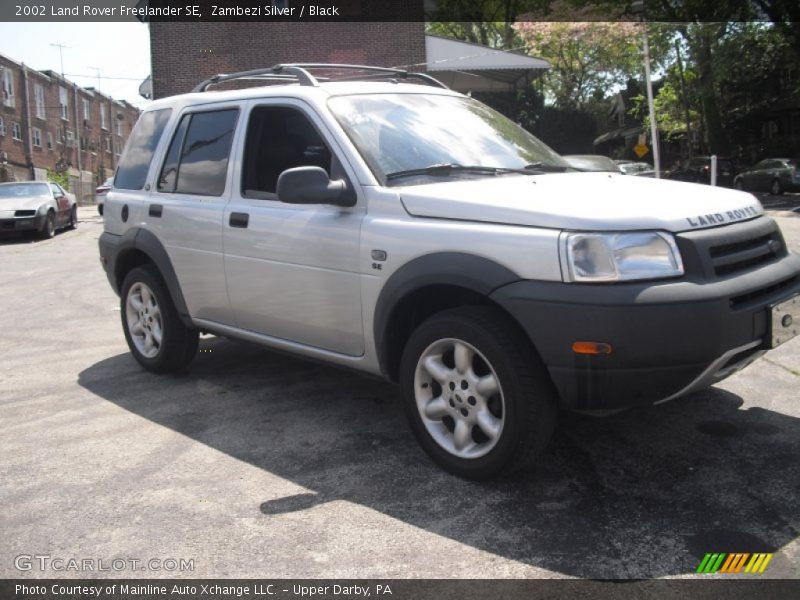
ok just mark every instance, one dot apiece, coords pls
pixel 756 295
pixel 746 254
pixel 730 250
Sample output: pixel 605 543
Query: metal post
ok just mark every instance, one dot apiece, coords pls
pixel 653 125
pixel 713 169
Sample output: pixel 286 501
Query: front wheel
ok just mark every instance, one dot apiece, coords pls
pixel 775 188
pixel 476 395
pixel 156 336
pixel 48 227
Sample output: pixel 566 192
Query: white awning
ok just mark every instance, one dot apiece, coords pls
pixel 469 67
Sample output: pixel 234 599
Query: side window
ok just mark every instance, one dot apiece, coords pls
pixel 56 190
pixel 197 159
pixel 280 138
pixel 132 169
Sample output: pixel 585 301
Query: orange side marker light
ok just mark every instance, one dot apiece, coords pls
pixel 591 348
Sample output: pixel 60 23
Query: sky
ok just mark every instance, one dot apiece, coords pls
pixel 121 52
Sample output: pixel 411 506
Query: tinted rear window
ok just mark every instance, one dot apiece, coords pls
pixel 132 170
pixel 197 159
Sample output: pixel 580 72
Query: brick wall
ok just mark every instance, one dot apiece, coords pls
pixel 183 54
pixel 82 147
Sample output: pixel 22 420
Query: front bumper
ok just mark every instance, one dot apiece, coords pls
pixel 668 338
pixel 31 223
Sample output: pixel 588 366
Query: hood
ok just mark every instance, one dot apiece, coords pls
pixel 9 205
pixel 582 201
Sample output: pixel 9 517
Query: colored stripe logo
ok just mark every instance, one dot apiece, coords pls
pixel 721 562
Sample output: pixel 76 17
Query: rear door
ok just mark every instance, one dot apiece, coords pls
pixel 186 206
pixel 292 270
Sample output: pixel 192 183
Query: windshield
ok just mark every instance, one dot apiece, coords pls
pixel 396 133
pixel 19 190
pixel 592 162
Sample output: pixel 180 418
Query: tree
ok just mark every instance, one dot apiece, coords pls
pixel 585 57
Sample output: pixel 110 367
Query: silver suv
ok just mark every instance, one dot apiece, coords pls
pixel 385 223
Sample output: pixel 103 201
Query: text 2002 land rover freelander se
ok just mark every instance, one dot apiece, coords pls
pixel 410 231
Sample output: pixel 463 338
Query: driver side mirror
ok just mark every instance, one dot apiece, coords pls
pixel 311 185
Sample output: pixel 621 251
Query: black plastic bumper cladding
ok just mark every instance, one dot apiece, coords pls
pixel 115 248
pixel 663 335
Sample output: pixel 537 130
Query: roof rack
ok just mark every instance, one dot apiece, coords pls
pixel 299 73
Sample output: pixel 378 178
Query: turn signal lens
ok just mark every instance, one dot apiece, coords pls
pixel 591 348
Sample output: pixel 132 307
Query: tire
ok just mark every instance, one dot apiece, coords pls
pixel 775 188
pixel 472 425
pixel 48 230
pixel 739 185
pixel 100 209
pixel 148 312
pixel 73 218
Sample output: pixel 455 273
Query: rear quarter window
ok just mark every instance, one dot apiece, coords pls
pixel 135 162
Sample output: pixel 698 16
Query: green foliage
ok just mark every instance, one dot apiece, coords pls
pixel 61 178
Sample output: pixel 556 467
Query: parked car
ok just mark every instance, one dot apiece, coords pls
pixel 592 162
pixel 415 233
pixel 38 206
pixel 698 170
pixel 642 169
pixel 101 192
pixel 773 175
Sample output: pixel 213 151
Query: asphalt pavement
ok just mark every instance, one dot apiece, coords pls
pixel 255 464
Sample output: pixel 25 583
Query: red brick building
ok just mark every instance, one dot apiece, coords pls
pixel 47 122
pixel 183 54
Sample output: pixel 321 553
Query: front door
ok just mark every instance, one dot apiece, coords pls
pixel 292 270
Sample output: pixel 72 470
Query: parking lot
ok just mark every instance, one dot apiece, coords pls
pixel 258 464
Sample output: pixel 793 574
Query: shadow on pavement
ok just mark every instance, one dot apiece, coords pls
pixel 645 493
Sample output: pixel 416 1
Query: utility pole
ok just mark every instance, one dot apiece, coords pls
pixel 61 56
pixel 652 110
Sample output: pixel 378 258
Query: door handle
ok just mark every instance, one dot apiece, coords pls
pixel 155 210
pixel 239 220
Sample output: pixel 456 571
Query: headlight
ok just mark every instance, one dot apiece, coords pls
pixel 609 257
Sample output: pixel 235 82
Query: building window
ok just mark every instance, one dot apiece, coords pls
pixel 70 138
pixel 63 101
pixel 108 143
pixel 103 117
pixel 8 88
pixel 118 148
pixel 38 95
pixel 2 126
pixel 119 127
pixel 49 141
pixel 37 137
pixel 59 135
pixel 83 142
pixel 16 131
pixel 87 111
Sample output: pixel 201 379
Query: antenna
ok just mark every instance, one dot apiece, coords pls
pixel 61 55
pixel 97 71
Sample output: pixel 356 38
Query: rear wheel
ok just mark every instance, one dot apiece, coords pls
pixel 476 395
pixel 73 218
pixel 156 336
pixel 775 188
pixel 100 209
pixel 739 184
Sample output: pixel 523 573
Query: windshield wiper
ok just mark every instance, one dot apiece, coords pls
pixel 445 169
pixel 545 168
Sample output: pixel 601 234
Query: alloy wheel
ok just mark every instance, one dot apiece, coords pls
pixel 459 398
pixel 143 317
